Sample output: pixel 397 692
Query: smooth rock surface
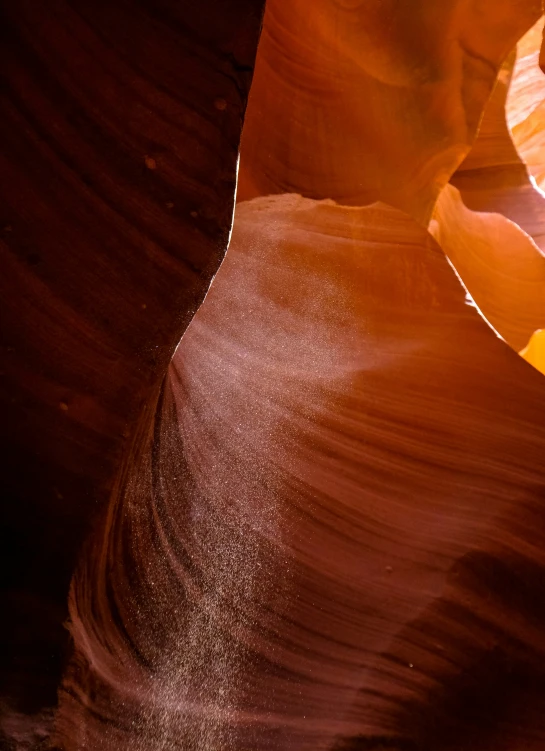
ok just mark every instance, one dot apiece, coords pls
pixel 117 180
pixel 335 537
pixel 365 101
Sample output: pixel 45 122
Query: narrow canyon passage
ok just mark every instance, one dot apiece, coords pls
pixel 328 530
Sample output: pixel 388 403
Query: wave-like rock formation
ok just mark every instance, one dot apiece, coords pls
pixel 337 540
pixel 315 521
pixel 378 100
pixel 493 177
pixel 499 263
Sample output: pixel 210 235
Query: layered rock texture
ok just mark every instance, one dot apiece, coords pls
pixel 315 521
pixel 120 126
pixel 325 542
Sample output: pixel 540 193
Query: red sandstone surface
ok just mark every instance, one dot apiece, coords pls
pixel 315 521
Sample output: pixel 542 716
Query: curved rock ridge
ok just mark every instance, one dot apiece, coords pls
pixel 525 107
pixel 493 178
pixel 380 100
pixel 501 266
pixel 527 89
pixel 492 223
pixel 333 536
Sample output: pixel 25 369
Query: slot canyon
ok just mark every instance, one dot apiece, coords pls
pixel 272 375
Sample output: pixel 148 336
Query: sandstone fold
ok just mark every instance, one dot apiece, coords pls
pixel 301 509
pixel 361 102
pixel 333 535
pixel 501 266
pixel 493 177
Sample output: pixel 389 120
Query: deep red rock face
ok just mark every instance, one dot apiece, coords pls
pixel 318 523
pixel 119 128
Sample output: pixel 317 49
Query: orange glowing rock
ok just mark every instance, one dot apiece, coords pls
pixel 492 224
pixel 534 352
pixel 363 101
pixel 501 266
pixel 527 88
pixel 525 107
pixel 493 177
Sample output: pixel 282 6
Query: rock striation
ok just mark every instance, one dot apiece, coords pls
pixel 301 508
